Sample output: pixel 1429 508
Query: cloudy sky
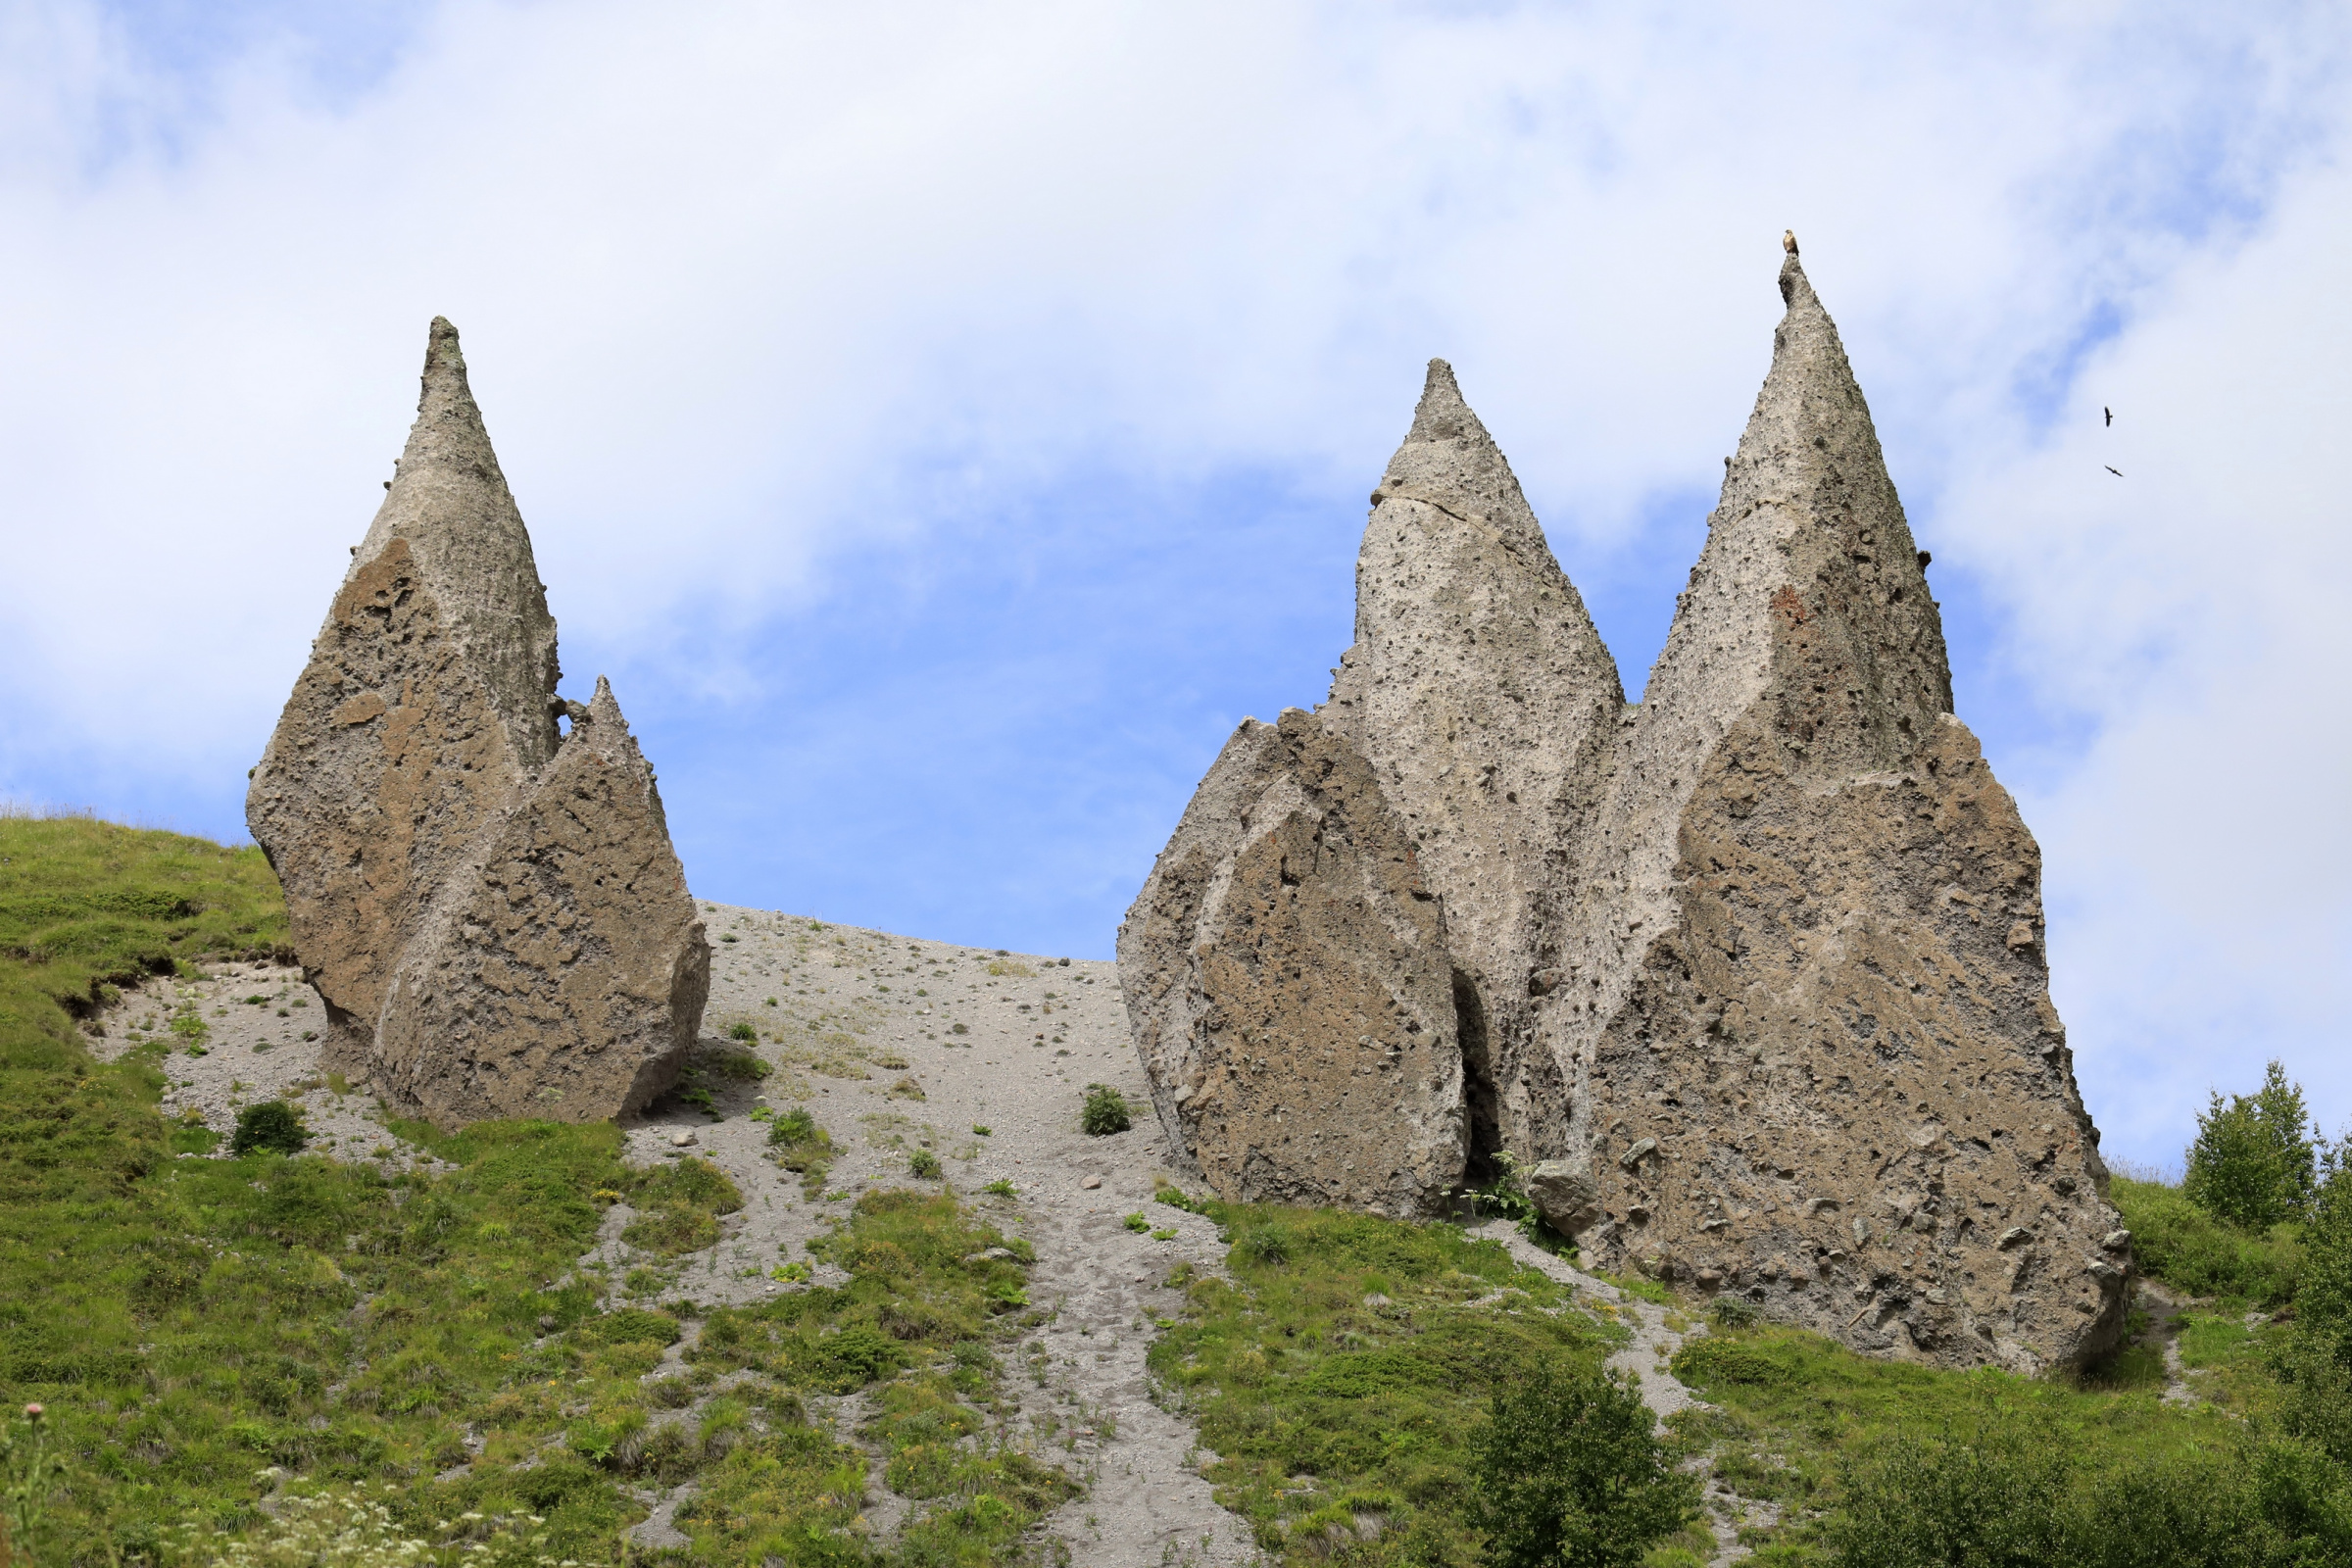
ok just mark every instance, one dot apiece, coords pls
pixel 944 422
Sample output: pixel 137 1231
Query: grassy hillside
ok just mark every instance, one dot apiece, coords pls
pixel 202 1334
pixel 214 1341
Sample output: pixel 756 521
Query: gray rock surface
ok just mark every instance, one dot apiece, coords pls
pixel 1486 702
pixel 565 973
pixel 1750 974
pixel 1809 969
pixel 1289 988
pixel 425 715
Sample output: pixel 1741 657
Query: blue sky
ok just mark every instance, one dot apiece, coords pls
pixel 944 423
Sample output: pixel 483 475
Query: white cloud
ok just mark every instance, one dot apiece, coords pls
pixel 2199 852
pixel 747 287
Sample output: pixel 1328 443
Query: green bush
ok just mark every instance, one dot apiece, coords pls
pixel 923 1165
pixel 2254 1162
pixel 2009 1495
pixel 1568 1474
pixel 272 1125
pixel 1986 1500
pixel 2174 1241
pixel 1105 1111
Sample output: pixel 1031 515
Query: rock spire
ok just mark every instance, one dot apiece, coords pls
pixel 420 740
pixel 1484 702
pixel 1755 969
pixel 1808 1015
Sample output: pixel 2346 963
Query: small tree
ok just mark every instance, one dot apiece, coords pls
pixel 2254 1162
pixel 272 1125
pixel 1569 1474
pixel 1105 1111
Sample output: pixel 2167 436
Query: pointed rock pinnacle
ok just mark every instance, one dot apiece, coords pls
pixel 424 718
pixel 1810 932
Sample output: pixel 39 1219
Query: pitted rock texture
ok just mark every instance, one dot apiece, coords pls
pixel 1486 701
pixel 567 974
pixel 1753 971
pixel 1808 1013
pixel 425 715
pixel 1288 984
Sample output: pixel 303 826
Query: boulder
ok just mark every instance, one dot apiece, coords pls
pixel 1808 971
pixel 1486 702
pixel 1288 985
pixel 1564 1192
pixel 425 720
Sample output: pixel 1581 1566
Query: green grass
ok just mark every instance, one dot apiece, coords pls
pixel 203 1332
pixel 922 1315
pixel 2181 1245
pixel 1342 1372
pixel 1798 1418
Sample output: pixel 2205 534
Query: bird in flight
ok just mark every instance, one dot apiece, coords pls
pixel 2110 413
pixel 1789 240
pixel 2112 468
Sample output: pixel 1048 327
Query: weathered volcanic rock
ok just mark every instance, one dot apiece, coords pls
pixel 425 715
pixel 1486 702
pixel 1288 984
pixel 563 974
pixel 425 705
pixel 1807 1011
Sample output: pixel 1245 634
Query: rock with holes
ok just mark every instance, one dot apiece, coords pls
pixel 1288 986
pixel 1484 701
pixel 1808 961
pixel 417 757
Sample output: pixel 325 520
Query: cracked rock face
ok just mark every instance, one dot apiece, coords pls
pixel 1807 1012
pixel 419 753
pixel 1288 986
pixel 1484 702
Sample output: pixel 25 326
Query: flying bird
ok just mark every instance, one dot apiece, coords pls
pixel 2110 413
pixel 2112 468
pixel 1789 240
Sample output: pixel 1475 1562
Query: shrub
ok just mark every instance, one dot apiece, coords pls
pixel 923 1164
pixel 1568 1474
pixel 1137 1223
pixel 745 1033
pixel 1988 1500
pixel 272 1125
pixel 1105 1111
pixel 2178 1242
pixel 2254 1163
pixel 1731 1313
pixel 1267 1245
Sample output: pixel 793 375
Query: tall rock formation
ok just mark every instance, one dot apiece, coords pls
pixel 1753 970
pixel 419 755
pixel 1806 1009
pixel 1288 983
pixel 1486 702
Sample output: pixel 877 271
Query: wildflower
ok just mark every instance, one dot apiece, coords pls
pixel 33 1412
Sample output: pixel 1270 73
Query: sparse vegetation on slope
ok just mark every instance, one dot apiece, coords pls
pixel 1342 1374
pixel 206 1336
